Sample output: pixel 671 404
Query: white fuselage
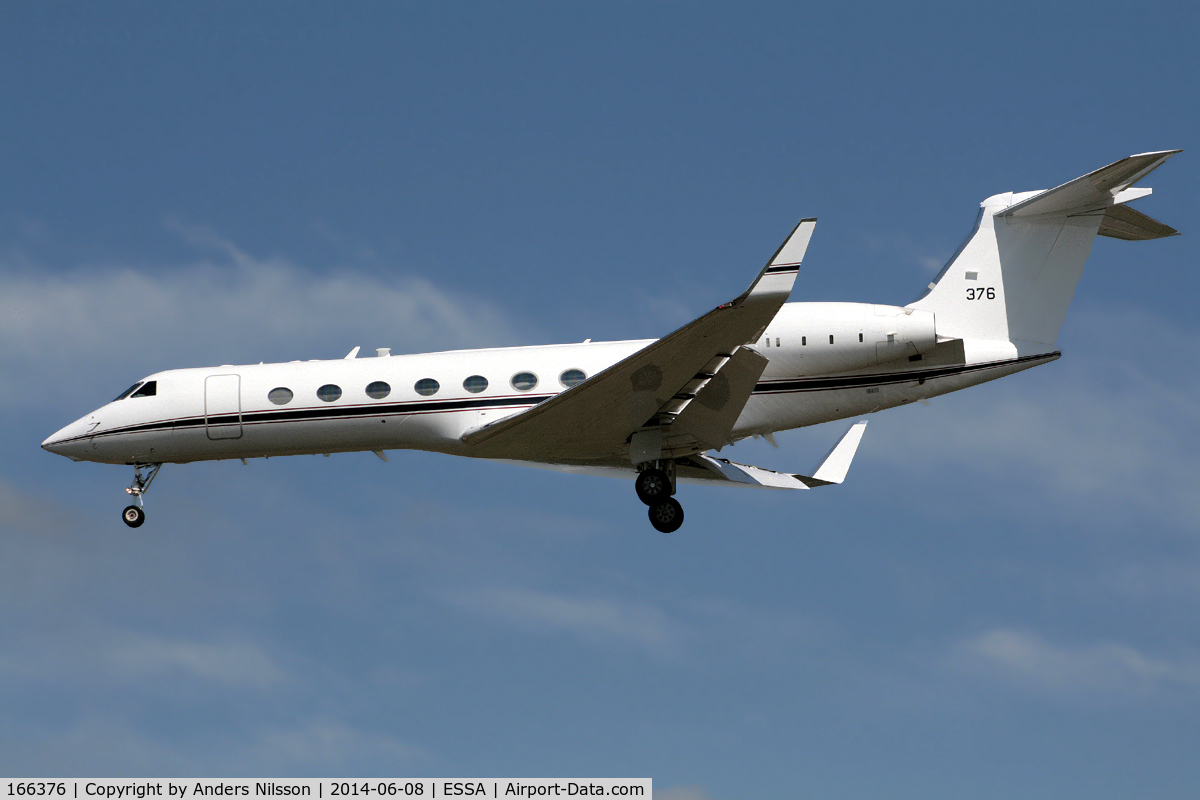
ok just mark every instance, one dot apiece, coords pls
pixel 826 361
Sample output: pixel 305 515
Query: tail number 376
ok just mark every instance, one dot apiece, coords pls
pixel 980 294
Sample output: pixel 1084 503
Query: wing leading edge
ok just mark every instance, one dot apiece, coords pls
pixel 647 398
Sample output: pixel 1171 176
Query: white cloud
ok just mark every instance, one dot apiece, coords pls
pixel 114 322
pixel 330 743
pixel 123 656
pixel 1100 670
pixel 23 511
pixel 233 663
pixel 904 248
pixel 590 619
pixel 112 745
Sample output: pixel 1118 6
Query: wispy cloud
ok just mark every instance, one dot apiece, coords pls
pixel 1105 670
pixel 100 322
pixel 232 663
pixel 22 510
pixel 904 248
pixel 591 619
pixel 124 656
pixel 113 745
pixel 328 742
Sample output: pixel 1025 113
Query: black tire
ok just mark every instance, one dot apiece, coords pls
pixel 133 516
pixel 652 486
pixel 666 516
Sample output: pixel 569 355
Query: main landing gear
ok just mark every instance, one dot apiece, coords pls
pixel 654 485
pixel 143 476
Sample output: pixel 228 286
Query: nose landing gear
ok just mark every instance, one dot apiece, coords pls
pixel 654 486
pixel 143 476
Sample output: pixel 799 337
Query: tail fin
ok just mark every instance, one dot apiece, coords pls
pixel 1013 278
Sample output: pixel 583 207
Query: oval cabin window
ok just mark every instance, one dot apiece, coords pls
pixel 524 381
pixel 475 384
pixel 378 390
pixel 280 396
pixel 427 386
pixel 572 377
pixel 329 392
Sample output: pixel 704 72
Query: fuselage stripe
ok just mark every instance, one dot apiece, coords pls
pixel 312 414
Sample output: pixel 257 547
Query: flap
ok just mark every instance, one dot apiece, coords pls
pixel 709 418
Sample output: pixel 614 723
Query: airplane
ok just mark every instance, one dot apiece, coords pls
pixel 657 411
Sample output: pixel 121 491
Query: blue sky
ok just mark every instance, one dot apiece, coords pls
pixel 1002 600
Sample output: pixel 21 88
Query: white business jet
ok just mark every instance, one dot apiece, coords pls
pixel 655 410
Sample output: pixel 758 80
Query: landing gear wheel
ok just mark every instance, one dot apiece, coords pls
pixel 652 486
pixel 667 515
pixel 133 516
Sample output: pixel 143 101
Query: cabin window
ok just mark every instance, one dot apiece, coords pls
pixel 378 390
pixel 149 389
pixel 329 392
pixel 572 377
pixel 777 341
pixel 860 337
pixel 803 341
pixel 524 381
pixel 127 392
pixel 426 387
pixel 475 384
pixel 831 338
pixel 280 396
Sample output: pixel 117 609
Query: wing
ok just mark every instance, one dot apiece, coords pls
pixel 637 402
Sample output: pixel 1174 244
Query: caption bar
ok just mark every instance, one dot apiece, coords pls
pixel 125 789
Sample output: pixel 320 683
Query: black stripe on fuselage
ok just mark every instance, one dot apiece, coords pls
pixel 887 378
pixel 526 401
pixel 331 412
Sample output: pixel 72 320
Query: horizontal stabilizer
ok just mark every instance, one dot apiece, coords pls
pixel 1122 222
pixel 832 470
pixel 1104 187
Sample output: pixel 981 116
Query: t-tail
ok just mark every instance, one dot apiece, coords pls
pixel 1012 280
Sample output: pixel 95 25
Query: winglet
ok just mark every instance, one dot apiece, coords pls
pixel 835 466
pixel 791 252
pixel 779 275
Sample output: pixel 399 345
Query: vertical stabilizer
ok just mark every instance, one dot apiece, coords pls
pixel 1013 279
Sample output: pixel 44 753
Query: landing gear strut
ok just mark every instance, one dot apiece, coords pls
pixel 654 486
pixel 143 476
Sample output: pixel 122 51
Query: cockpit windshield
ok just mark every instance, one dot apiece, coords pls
pixel 139 389
pixel 127 392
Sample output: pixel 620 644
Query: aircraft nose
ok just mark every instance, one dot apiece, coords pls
pixel 67 442
pixel 54 442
